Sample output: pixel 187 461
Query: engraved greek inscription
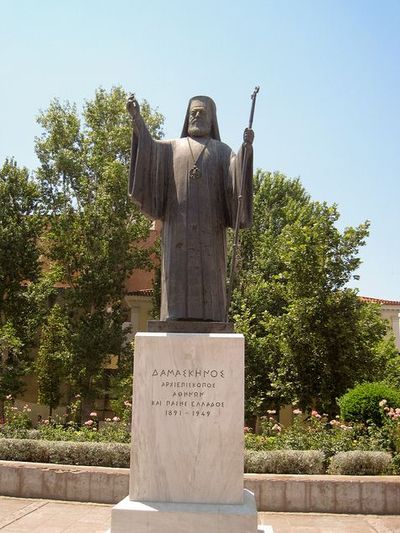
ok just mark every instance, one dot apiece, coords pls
pixel 176 403
pixel 207 404
pixel 188 394
pixel 191 398
pixel 191 373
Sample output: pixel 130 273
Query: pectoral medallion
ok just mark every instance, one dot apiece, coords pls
pixel 194 172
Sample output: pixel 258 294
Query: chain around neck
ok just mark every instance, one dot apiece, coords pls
pixel 201 151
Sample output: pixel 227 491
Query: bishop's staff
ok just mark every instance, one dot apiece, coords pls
pixel 239 210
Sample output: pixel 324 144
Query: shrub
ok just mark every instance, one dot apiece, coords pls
pixel 259 442
pixel 24 450
pixel 284 462
pixel 90 454
pixel 361 463
pixel 317 433
pixel 110 432
pixel 396 464
pixel 17 421
pixel 361 404
pixel 63 452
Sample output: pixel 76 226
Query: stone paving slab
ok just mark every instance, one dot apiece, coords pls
pixel 330 523
pixel 22 515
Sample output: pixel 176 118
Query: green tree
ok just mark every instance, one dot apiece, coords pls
pixel 95 236
pixel 20 228
pixel 53 357
pixel 308 337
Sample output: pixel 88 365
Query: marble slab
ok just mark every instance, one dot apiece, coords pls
pixel 188 407
pixel 150 517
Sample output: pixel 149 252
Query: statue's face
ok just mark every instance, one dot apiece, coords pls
pixel 199 120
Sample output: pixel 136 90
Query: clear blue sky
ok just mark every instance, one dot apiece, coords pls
pixel 328 110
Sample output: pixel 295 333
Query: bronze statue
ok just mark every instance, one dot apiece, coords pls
pixel 192 185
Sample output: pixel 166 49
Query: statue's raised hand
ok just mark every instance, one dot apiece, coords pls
pixel 132 106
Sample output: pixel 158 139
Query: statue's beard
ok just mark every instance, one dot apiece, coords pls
pixel 198 130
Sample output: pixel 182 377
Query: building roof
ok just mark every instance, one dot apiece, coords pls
pixel 379 301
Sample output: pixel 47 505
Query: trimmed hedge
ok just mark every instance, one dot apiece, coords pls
pixel 361 404
pixel 361 463
pixel 284 462
pixel 66 452
pixel 256 461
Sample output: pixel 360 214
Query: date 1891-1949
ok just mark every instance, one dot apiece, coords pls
pixel 179 412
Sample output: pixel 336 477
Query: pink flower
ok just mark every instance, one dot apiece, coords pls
pixel 116 419
pixel 246 429
pixel 9 397
pixel 127 404
pixel 277 428
pixel 89 423
pixel 297 411
pixel 93 414
pixel 107 420
pixel 315 414
pixel 271 411
pixel 382 403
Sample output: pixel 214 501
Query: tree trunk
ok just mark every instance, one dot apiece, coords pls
pixel 87 408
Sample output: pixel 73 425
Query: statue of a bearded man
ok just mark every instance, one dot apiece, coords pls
pixel 192 185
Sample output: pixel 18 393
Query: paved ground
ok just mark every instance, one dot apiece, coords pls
pixel 19 515
pixel 330 523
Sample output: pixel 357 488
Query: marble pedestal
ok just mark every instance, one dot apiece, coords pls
pixel 187 437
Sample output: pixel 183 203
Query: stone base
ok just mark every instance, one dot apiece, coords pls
pixel 158 517
pixel 188 326
pixel 187 421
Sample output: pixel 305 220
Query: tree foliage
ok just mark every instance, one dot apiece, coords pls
pixel 95 236
pixel 20 228
pixel 308 337
pixel 53 358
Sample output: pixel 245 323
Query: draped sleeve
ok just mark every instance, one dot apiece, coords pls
pixel 233 187
pixel 149 173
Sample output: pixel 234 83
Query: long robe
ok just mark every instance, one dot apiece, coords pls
pixel 195 213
